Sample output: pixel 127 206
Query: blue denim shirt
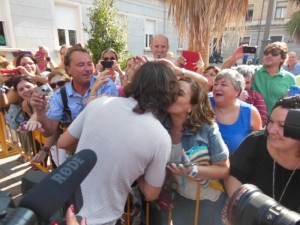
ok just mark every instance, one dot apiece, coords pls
pixel 76 102
pixel 208 135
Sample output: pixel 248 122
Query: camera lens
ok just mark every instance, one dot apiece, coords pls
pixel 249 206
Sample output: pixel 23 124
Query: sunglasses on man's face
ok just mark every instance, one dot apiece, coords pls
pixel 273 52
pixel 111 58
pixel 58 83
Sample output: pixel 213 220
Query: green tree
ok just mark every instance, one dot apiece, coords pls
pixel 105 30
pixel 293 26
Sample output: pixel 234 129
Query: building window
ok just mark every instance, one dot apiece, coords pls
pixel 2 35
pixel 249 15
pixel 281 10
pixel 245 41
pixel 66 37
pixel 67 24
pixel 149 32
pixel 275 38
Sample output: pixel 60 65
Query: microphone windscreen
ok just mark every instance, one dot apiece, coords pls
pixel 56 188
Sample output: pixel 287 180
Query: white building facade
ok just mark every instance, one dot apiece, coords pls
pixel 26 24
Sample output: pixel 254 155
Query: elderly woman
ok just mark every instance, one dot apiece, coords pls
pixel 236 119
pixel 270 160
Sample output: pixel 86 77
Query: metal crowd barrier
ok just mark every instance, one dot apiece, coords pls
pixel 25 143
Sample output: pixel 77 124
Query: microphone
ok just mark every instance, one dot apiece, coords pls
pixel 57 187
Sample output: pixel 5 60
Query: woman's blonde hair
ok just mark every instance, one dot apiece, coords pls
pixel 58 72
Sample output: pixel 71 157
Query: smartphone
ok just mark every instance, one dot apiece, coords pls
pixel 18 53
pixel 251 50
pixel 40 55
pixel 107 64
pixel 44 89
pixel 191 58
pixel 294 90
pixel 179 162
pixel 10 73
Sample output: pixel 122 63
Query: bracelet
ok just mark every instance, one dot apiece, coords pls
pixel 46 149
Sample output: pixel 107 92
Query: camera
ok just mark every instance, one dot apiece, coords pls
pixel 107 64
pixel 249 206
pixel 251 50
pixel 44 89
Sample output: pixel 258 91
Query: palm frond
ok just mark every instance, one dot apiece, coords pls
pixel 199 20
pixel 293 26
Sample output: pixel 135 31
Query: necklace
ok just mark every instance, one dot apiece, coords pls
pixel 287 183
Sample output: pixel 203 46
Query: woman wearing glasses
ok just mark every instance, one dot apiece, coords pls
pixel 110 61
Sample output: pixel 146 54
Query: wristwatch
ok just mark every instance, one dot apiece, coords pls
pixel 48 59
pixel 194 171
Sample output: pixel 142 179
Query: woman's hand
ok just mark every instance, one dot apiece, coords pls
pixel 24 71
pixel 136 64
pixel 199 65
pixel 116 67
pixel 181 61
pixel 179 168
pixel 99 66
pixel 71 218
pixel 32 125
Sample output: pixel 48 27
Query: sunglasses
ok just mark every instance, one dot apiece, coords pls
pixel 274 52
pixel 111 58
pixel 59 84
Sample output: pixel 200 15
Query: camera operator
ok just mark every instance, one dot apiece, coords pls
pixel 269 159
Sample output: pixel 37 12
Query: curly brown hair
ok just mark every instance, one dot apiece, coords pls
pixel 155 88
pixel 202 111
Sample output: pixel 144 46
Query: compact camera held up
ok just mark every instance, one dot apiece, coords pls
pixel 44 89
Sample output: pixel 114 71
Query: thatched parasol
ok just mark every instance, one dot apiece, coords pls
pixel 200 20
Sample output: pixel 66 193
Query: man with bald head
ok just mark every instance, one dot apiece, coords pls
pixel 159 46
pixel 292 66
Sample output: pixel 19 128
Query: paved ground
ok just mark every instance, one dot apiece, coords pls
pixel 11 173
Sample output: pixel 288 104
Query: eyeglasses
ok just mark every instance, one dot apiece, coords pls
pixel 58 83
pixel 274 52
pixel 111 58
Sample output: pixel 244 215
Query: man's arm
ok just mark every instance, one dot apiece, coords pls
pixel 67 141
pixel 150 192
pixel 237 54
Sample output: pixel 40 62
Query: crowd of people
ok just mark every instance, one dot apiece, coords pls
pixel 209 130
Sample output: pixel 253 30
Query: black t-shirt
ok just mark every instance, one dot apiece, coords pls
pixel 251 163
